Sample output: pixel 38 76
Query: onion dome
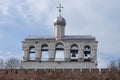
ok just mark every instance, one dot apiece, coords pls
pixel 59 21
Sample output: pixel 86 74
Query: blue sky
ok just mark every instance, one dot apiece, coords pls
pixel 99 18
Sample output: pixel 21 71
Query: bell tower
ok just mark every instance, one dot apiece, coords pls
pixel 59 25
pixel 61 51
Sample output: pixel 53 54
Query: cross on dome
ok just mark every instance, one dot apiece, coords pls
pixel 60 7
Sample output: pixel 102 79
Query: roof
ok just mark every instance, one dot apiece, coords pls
pixel 40 37
pixel 70 37
pixel 79 37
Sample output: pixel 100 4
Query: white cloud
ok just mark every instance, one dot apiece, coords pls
pixel 8 54
pixel 4 5
pixel 34 9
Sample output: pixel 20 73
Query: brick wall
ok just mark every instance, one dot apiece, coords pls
pixel 60 74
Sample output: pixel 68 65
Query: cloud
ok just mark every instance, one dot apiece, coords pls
pixel 34 10
pixel 8 54
pixel 4 6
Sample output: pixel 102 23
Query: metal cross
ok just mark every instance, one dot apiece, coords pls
pixel 60 7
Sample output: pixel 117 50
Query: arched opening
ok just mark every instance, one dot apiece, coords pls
pixel 44 50
pixel 87 51
pixel 32 52
pixel 74 52
pixel 59 52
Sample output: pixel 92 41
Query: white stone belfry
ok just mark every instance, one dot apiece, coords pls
pixel 59 51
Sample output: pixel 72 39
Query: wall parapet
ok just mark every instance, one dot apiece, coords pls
pixel 59 74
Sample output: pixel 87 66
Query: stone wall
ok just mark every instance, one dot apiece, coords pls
pixel 60 74
pixel 58 65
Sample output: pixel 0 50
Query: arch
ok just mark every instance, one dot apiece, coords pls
pixel 59 56
pixel 87 51
pixel 87 48
pixel 74 52
pixel 59 46
pixel 32 52
pixel 44 49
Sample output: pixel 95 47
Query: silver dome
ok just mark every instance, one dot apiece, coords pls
pixel 59 21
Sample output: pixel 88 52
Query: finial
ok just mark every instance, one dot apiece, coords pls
pixel 60 7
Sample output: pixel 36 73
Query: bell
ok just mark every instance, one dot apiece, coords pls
pixel 73 55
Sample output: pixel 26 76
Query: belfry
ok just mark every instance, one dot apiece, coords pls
pixel 59 51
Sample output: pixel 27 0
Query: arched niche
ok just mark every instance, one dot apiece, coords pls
pixel 44 51
pixel 87 52
pixel 74 52
pixel 59 56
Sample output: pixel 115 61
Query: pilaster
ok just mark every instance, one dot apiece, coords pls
pixel 93 54
pixel 38 54
pixel 80 54
pixel 26 55
pixel 51 54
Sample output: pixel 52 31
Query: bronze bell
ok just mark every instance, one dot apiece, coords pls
pixel 73 55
